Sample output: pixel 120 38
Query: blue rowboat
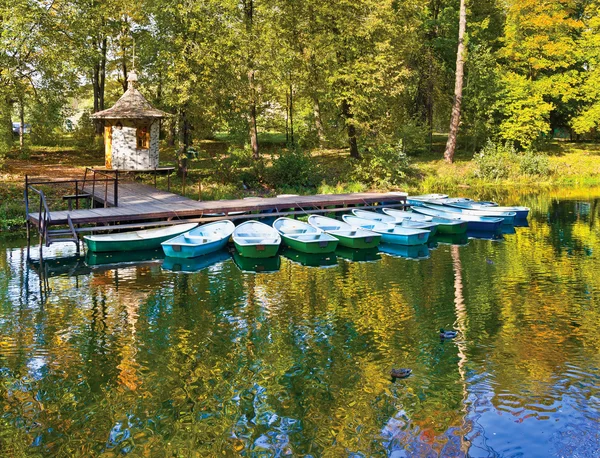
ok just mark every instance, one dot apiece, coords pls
pixel 521 212
pixel 507 217
pixel 452 200
pixel 390 233
pixel 391 219
pixel 199 241
pixel 444 226
pixel 474 223
pixel 415 201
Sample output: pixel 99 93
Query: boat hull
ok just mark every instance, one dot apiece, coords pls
pixel 193 251
pixel 257 251
pixel 507 217
pixel 362 242
pixel 474 223
pixel 311 246
pixel 407 240
pixel 100 244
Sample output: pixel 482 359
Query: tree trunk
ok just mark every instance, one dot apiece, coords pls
pixel 102 76
pixel 21 123
pixel 351 128
pixel 184 142
pixel 253 130
pixel 98 83
pixel 249 18
pixel 318 122
pixel 291 114
pixel 460 63
pixel 124 83
pixel 287 117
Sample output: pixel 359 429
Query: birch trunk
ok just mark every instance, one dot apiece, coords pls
pixel 458 88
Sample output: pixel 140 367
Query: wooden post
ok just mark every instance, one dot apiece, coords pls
pixel 200 190
pixel 116 190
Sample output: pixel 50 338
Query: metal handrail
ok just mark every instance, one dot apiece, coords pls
pixel 114 179
pixel 44 217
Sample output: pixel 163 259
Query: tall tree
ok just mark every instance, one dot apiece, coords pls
pixel 458 88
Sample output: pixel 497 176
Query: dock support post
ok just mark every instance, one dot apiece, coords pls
pixel 116 190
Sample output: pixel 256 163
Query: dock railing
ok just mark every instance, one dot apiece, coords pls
pixel 106 181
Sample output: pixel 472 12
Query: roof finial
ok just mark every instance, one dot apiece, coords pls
pixel 132 76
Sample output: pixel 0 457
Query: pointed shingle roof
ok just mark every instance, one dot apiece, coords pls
pixel 132 104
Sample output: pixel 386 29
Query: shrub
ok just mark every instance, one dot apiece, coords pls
pixel 383 166
pixel 534 164
pixel 293 168
pixel 495 160
pixel 227 169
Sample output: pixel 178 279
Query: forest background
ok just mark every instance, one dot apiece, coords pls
pixel 276 95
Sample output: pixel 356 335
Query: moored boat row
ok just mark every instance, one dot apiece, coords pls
pixel 362 230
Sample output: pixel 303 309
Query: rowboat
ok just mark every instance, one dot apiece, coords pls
pixel 404 222
pixel 452 200
pixel 408 252
pixel 147 239
pixel 191 265
pixel 390 233
pixel 444 226
pixel 257 265
pixel 474 223
pixel 364 255
pixel 310 259
pixel 507 217
pixel 253 239
pixel 304 237
pixel 199 241
pixel 418 200
pixel 347 236
pixel 521 212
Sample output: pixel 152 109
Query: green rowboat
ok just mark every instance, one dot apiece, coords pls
pixel 253 239
pixel 348 236
pixel 303 237
pixel 147 239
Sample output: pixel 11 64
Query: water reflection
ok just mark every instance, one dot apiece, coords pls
pixel 257 265
pixel 136 359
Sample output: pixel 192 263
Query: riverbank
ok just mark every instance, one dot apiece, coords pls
pixel 220 171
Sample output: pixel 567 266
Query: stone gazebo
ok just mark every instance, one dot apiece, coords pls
pixel 131 131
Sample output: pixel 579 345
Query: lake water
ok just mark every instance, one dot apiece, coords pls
pixel 105 358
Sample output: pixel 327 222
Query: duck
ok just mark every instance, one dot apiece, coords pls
pixel 448 334
pixel 401 373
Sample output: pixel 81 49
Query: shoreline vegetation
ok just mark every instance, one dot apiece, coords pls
pixel 220 169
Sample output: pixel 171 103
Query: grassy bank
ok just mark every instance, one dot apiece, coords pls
pixel 222 171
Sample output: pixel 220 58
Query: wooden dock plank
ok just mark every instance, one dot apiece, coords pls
pixel 139 202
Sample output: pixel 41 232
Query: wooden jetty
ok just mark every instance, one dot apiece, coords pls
pixel 130 205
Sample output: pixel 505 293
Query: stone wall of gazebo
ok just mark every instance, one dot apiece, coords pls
pixel 125 153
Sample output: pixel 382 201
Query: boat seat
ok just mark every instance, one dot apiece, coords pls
pixel 292 231
pixel 329 228
pixel 258 240
pixel 197 239
pixel 309 237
